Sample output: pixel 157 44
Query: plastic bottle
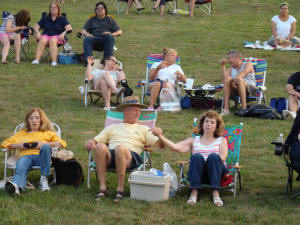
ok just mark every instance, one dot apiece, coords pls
pixel 280 138
pixel 195 128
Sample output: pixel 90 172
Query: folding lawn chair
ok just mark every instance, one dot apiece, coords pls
pixel 89 89
pixel 147 118
pixel 233 135
pixel 152 58
pixel 260 72
pixel 10 159
pixel 171 4
pixel 65 42
pixel 204 5
pixel 122 5
pixel 24 53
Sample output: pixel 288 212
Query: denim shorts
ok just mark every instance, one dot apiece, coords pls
pixel 135 161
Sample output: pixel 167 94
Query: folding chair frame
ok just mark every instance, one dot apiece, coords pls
pixel 206 6
pixel 171 4
pixel 13 167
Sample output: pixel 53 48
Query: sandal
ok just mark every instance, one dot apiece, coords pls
pixel 192 200
pixel 119 196
pixel 101 194
pixel 218 201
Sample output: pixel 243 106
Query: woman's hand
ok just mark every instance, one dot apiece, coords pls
pixel 40 144
pixel 90 60
pixel 38 36
pixel 61 36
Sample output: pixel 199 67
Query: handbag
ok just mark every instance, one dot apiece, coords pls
pixel 185 102
pixel 67 58
pixel 226 179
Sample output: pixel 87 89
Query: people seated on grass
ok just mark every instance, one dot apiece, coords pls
pixel 293 89
pixel 120 145
pixel 164 74
pixel 106 80
pixel 161 4
pixel 293 141
pixel 99 32
pixel 283 28
pixel 138 5
pixel 35 142
pixel 55 26
pixel 238 80
pixel 208 155
pixel 10 30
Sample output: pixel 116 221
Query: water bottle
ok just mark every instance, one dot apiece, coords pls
pixel 195 128
pixel 280 138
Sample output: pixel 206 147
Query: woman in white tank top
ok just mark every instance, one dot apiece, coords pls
pixel 209 153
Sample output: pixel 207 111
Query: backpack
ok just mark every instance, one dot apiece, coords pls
pixel 259 111
pixel 68 172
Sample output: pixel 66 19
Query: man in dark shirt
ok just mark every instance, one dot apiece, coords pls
pixel 293 89
pixel 99 32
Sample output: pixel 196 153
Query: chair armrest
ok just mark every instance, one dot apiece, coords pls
pixel 180 84
pixel 143 82
pixel 4 149
pixel 238 167
pixel 86 81
pixel 182 162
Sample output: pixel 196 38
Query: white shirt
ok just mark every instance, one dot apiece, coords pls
pixel 98 73
pixel 283 29
pixel 167 73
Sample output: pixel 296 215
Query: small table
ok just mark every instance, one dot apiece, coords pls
pixel 203 97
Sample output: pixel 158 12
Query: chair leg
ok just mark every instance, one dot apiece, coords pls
pixel 89 169
pixel 240 180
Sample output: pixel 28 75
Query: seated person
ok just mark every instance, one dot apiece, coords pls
pixel 283 28
pixel 293 141
pixel 39 132
pixel 164 74
pixel 209 153
pixel 99 32
pixel 10 30
pixel 293 89
pixel 162 4
pixel 192 6
pixel 106 79
pixel 55 26
pixel 138 5
pixel 238 80
pixel 120 145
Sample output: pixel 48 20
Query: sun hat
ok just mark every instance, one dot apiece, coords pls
pixel 130 101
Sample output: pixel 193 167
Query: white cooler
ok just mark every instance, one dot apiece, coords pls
pixel 144 185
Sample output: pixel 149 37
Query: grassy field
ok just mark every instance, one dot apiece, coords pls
pixel 201 42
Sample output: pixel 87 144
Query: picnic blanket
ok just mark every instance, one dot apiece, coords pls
pixel 265 46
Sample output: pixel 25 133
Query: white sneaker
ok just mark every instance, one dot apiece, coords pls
pixel 288 114
pixel 35 62
pixel 119 91
pixel 12 188
pixel 225 112
pixel 54 64
pixel 44 185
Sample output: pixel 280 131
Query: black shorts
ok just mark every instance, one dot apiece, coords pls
pixel 135 161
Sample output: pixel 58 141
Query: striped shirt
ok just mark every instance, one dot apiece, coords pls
pixel 206 150
pixel 3 26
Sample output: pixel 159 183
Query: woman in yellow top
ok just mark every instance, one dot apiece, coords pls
pixel 35 142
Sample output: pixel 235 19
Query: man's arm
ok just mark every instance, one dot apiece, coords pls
pixel 291 91
pixel 86 34
pixel 224 72
pixel 248 69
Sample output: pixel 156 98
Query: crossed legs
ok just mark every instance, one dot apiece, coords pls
pixel 6 45
pixel 123 160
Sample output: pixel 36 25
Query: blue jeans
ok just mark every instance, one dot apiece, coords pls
pixel 25 163
pixel 214 168
pixel 99 43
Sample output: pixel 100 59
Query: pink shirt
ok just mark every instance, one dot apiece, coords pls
pixel 206 150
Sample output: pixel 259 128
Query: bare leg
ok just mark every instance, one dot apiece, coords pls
pixel 162 10
pixel 40 48
pixel 293 103
pixel 226 91
pixel 138 4
pixel 106 92
pixel 102 160
pixel 241 88
pixel 53 49
pixel 154 91
pixel 110 81
pixel 5 48
pixel 192 5
pixel 17 39
pixel 157 4
pixel 122 160
pixel 128 6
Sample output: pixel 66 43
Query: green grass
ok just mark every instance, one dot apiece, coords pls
pixel 201 42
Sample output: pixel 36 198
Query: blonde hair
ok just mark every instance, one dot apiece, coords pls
pixel 58 7
pixel 45 122
pixel 212 115
pixel 168 51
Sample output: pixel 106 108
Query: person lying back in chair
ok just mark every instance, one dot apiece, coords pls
pixel 209 153
pixel 35 142
pixel 120 145
pixel 238 80
pixel 106 79
pixel 164 74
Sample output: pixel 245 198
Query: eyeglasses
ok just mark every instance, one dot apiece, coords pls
pixel 100 7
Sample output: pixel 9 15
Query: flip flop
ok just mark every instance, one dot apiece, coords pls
pixel 119 196
pixel 218 201
pixel 140 9
pixel 192 200
pixel 101 194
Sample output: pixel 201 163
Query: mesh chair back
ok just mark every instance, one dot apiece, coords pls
pixel 233 135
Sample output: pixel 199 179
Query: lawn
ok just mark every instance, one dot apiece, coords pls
pixel 201 42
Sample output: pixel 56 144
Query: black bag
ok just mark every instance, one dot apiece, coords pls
pixel 68 172
pixel 259 111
